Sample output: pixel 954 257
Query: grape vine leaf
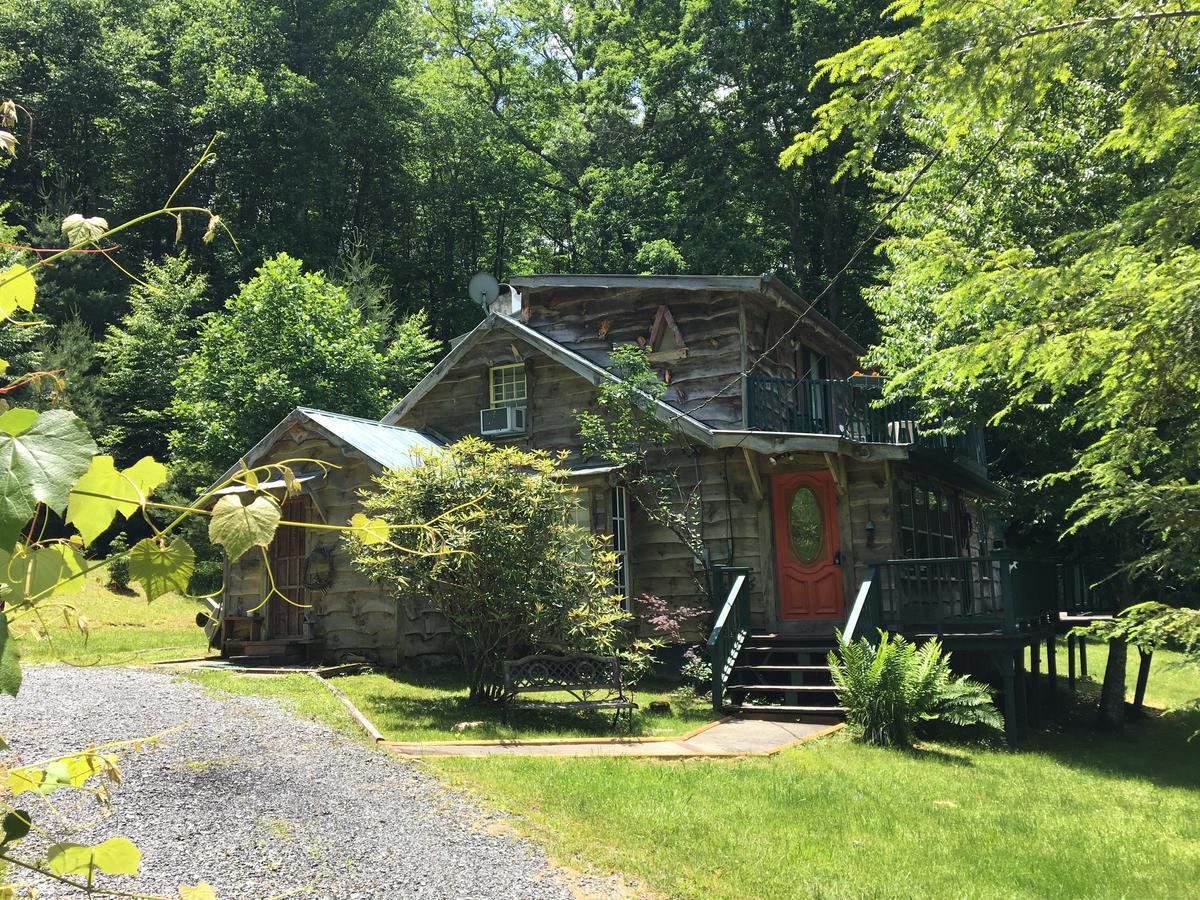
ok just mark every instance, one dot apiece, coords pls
pixel 201 891
pixel 72 771
pixel 160 570
pixel 10 666
pixel 369 531
pixel 16 826
pixel 103 492
pixel 17 290
pixel 18 420
pixel 116 856
pixel 34 574
pixel 238 527
pixel 39 463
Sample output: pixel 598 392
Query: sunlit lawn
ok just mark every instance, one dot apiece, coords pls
pixel 1072 815
pixel 123 628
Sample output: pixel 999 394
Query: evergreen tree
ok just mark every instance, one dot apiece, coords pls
pixel 140 358
pixel 68 351
pixel 411 354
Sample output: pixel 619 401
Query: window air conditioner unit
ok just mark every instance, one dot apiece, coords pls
pixel 502 420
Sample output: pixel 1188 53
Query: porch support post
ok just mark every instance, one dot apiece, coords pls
pixel 1139 694
pixel 1035 680
pixel 1008 684
pixel 1071 660
pixel 755 477
pixel 1019 692
pixel 1052 673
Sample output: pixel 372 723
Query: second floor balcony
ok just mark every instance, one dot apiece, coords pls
pixel 853 408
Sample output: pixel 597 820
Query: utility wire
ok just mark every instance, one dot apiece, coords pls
pixel 858 251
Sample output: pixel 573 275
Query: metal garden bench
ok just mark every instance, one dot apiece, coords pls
pixel 593 682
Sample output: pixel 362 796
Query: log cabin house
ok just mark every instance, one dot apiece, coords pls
pixel 822 508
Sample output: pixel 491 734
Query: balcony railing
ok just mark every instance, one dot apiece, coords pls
pixel 1003 591
pixel 852 408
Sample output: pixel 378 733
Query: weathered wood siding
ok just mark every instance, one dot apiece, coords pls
pixel 354 616
pixel 451 409
pixel 591 321
pixel 769 331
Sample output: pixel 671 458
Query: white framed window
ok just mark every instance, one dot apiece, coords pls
pixel 620 539
pixel 508 386
pixel 581 517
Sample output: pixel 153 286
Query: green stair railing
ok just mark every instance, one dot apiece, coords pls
pixel 866 615
pixel 730 588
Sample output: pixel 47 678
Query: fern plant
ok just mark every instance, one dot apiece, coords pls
pixel 891 687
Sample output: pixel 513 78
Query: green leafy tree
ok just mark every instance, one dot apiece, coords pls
pixel 288 338
pixel 141 355
pixel 1045 254
pixel 653 463
pixel 506 566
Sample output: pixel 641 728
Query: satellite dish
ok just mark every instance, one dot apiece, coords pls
pixel 483 289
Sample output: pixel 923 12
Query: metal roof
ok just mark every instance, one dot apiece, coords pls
pixel 267 485
pixel 389 445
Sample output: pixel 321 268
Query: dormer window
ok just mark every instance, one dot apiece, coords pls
pixel 508 390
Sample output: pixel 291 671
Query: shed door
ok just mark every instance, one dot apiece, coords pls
pixel 288 550
pixel 807 546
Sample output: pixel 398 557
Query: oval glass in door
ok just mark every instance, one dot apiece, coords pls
pixel 805 526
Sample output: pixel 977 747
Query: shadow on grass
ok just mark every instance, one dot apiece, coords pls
pixel 438 702
pixel 1155 746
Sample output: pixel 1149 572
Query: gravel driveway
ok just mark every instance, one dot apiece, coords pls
pixel 256 801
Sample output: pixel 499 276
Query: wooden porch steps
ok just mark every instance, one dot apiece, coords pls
pixel 268 652
pixel 785 676
pixel 753 687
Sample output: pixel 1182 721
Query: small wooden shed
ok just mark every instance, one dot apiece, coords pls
pixel 328 610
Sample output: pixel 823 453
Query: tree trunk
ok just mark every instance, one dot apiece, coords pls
pixel 1112 691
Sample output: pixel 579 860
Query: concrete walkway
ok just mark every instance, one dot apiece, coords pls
pixel 728 737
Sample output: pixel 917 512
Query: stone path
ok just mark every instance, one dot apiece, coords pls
pixel 729 737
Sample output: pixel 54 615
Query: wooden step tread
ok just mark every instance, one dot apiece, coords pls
pixel 759 667
pixel 784 648
pixel 775 636
pixel 784 688
pixel 762 707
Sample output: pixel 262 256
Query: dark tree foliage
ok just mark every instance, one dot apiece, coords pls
pixel 446 138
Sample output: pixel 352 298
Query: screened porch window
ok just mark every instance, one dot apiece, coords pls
pixel 929 522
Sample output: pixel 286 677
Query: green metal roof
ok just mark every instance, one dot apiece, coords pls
pixel 389 445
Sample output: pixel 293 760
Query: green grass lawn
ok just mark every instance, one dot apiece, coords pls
pixel 123 628
pixel 1072 815
pixel 1171 683
pixel 426 707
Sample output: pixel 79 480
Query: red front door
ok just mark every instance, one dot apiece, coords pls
pixel 807 546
